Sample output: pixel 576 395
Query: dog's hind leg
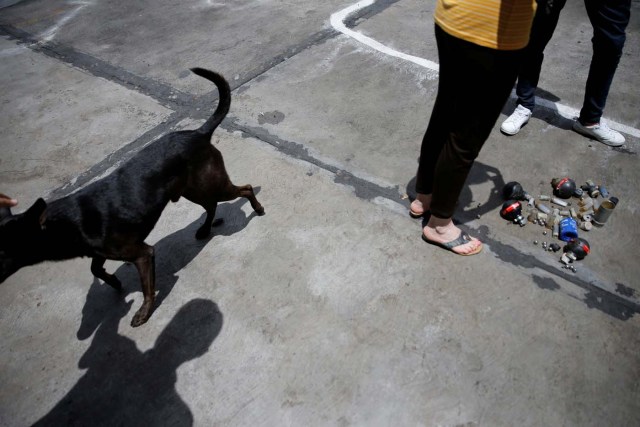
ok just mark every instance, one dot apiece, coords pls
pixel 145 263
pixel 246 191
pixel 97 264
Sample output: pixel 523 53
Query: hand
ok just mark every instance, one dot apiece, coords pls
pixel 6 201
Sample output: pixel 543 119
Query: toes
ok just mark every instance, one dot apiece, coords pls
pixel 416 210
pixel 141 316
pixel 473 246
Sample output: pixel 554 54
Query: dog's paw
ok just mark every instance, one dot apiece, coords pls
pixel 139 319
pixel 142 315
pixel 260 211
pixel 203 232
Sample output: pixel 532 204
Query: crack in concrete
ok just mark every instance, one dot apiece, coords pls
pixel 363 189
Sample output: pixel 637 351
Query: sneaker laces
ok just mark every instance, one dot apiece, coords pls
pixel 521 113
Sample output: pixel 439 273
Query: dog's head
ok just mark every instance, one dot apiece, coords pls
pixel 18 233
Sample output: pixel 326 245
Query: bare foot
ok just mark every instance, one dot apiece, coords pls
pixel 420 205
pixel 441 230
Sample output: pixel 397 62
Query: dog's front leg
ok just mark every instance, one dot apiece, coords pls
pixel 97 269
pixel 145 263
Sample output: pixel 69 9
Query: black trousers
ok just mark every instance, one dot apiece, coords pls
pixel 473 86
pixel 609 19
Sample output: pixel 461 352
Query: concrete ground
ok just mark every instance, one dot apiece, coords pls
pixel 328 310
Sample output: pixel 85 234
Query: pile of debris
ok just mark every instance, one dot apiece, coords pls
pixel 569 209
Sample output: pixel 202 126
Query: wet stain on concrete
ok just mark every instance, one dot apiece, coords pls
pixel 271 117
pixel 546 283
pixel 608 303
pixel 625 290
pixel 595 297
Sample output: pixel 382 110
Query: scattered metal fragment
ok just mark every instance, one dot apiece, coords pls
pixel 560 202
pixel 543 208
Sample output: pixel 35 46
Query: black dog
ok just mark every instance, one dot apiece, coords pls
pixel 110 218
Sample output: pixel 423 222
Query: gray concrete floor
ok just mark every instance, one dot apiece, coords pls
pixel 329 310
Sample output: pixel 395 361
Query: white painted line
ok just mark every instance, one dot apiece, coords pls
pixel 48 35
pixel 571 113
pixel 337 21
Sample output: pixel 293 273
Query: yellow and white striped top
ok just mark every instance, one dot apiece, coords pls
pixel 497 24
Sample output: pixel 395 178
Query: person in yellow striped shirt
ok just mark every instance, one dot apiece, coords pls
pixel 480 43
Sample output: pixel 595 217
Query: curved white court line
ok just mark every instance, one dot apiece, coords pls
pixel 337 22
pixel 48 35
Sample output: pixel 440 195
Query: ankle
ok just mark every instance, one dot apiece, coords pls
pixel 440 225
pixel 425 199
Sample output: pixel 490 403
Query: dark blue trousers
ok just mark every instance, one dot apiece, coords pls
pixel 609 19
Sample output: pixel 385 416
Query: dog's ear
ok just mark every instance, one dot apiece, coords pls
pixel 37 213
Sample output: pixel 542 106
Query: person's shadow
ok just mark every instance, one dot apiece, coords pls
pixel 125 387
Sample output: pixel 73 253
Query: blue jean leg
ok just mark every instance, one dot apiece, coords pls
pixel 544 24
pixel 609 19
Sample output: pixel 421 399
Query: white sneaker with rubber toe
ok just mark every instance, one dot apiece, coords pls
pixel 516 120
pixel 600 132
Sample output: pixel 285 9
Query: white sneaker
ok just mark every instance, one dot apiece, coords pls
pixel 600 132
pixel 515 121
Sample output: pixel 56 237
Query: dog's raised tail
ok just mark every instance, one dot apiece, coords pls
pixel 224 100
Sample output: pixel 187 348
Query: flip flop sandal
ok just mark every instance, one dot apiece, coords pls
pixel 461 240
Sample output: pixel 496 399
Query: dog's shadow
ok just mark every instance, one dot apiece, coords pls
pixel 172 254
pixel 123 386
